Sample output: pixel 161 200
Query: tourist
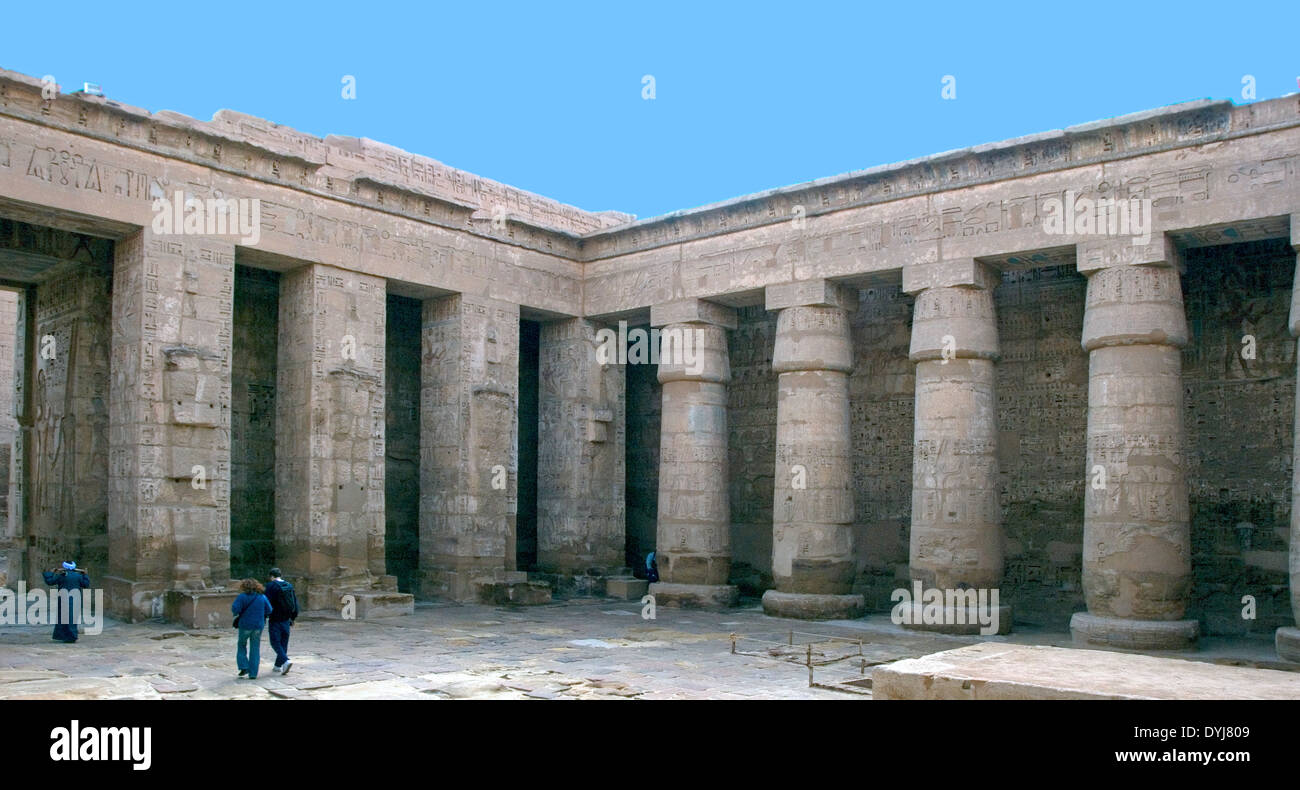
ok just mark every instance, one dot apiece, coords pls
pixel 72 580
pixel 284 610
pixel 651 568
pixel 250 609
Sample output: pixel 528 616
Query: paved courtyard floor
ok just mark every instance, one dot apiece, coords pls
pixel 581 648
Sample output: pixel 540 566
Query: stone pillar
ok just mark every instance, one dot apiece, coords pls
pixel 956 533
pixel 1136 534
pixel 693 533
pixel 580 459
pixel 469 406
pixel 813 564
pixel 329 437
pixel 1287 639
pixel 169 420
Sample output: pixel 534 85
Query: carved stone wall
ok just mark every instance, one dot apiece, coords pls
pixel 642 488
pixel 252 422
pixel 1239 417
pixel 402 442
pixel 882 390
pixel 1042 385
pixel 751 447
pixel 69 436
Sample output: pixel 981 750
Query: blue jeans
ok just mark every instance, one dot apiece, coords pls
pixel 248 655
pixel 278 631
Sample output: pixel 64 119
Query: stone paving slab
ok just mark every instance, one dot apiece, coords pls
pixel 567 650
pixel 1008 671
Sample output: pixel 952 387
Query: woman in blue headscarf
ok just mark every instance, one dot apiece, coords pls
pixel 71 580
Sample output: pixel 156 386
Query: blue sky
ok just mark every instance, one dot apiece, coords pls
pixel 747 97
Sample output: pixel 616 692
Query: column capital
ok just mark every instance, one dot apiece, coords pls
pixel 955 273
pixel 1104 253
pixel 811 293
pixel 693 311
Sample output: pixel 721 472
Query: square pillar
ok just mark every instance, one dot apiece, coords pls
pixel 169 420
pixel 469 411
pixel 329 444
pixel 581 522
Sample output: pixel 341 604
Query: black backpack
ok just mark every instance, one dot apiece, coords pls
pixel 286 598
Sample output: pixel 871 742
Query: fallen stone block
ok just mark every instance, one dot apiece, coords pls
pixel 626 588
pixel 1001 671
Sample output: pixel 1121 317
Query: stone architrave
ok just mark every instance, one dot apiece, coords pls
pixel 1136 532
pixel 329 423
pixel 169 420
pixel 813 564
pixel 580 458
pixel 956 532
pixel 469 407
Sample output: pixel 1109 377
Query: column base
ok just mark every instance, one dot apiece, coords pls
pixel 695 596
pixel 1287 643
pixel 813 606
pixel 1089 629
pixel 961 621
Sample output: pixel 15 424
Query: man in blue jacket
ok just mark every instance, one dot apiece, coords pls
pixel 70 580
pixel 284 610
pixel 250 609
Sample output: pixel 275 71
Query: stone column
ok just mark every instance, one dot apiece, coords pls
pixel 580 459
pixel 693 534
pixel 1136 535
pixel 813 564
pixel 956 534
pixel 169 420
pixel 469 406
pixel 329 426
pixel 1287 638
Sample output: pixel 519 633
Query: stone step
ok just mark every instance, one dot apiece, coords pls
pixel 1002 671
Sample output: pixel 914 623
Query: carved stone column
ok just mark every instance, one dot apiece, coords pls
pixel 329 423
pixel 956 534
pixel 580 459
pixel 169 420
pixel 1287 639
pixel 693 542
pixel 813 564
pixel 1136 534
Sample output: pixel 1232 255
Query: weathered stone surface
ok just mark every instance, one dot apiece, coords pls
pixel 1001 671
pixel 695 596
pixel 812 606
pixel 626 588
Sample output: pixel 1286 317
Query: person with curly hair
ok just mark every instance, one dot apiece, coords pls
pixel 250 609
